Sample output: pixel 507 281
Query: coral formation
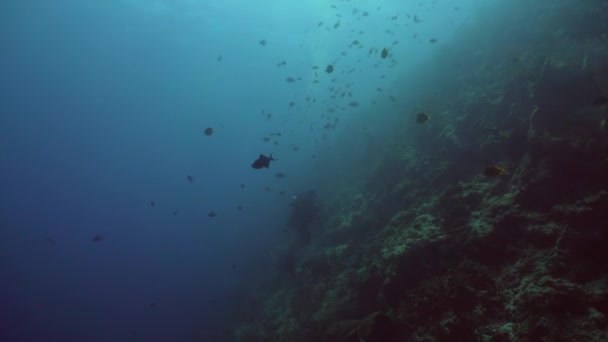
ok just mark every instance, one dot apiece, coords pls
pixel 430 249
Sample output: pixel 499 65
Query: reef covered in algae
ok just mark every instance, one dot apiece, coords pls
pixel 422 246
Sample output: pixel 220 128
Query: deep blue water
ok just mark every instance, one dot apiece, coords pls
pixel 103 107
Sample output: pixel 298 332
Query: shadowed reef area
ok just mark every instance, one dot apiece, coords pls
pixel 418 244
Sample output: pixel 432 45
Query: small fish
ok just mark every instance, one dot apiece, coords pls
pixel 281 63
pixel 279 175
pixel 263 42
pixel 422 117
pixel 384 53
pixel 329 69
pixel 97 238
pixel 601 100
pixel 212 214
pixel 190 179
pixel 49 240
pixel 219 58
pixel 262 161
pixel 290 79
pixel 494 170
pixel 208 131
pixel 152 203
pixel 239 207
pixel 432 40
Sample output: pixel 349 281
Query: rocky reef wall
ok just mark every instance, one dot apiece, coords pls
pixel 429 248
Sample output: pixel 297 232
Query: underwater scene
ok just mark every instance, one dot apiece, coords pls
pixel 312 170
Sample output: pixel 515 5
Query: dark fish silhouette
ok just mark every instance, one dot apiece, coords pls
pixel 262 161
pixel 190 179
pixel 601 101
pixel 208 131
pixel 422 117
pixel 384 53
pixel 494 170
pixel 212 214
pixel 97 238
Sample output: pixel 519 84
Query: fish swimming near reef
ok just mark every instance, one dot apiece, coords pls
pixel 262 161
pixel 494 170
pixel 422 117
pixel 601 101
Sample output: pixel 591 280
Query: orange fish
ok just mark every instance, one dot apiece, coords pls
pixel 494 170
